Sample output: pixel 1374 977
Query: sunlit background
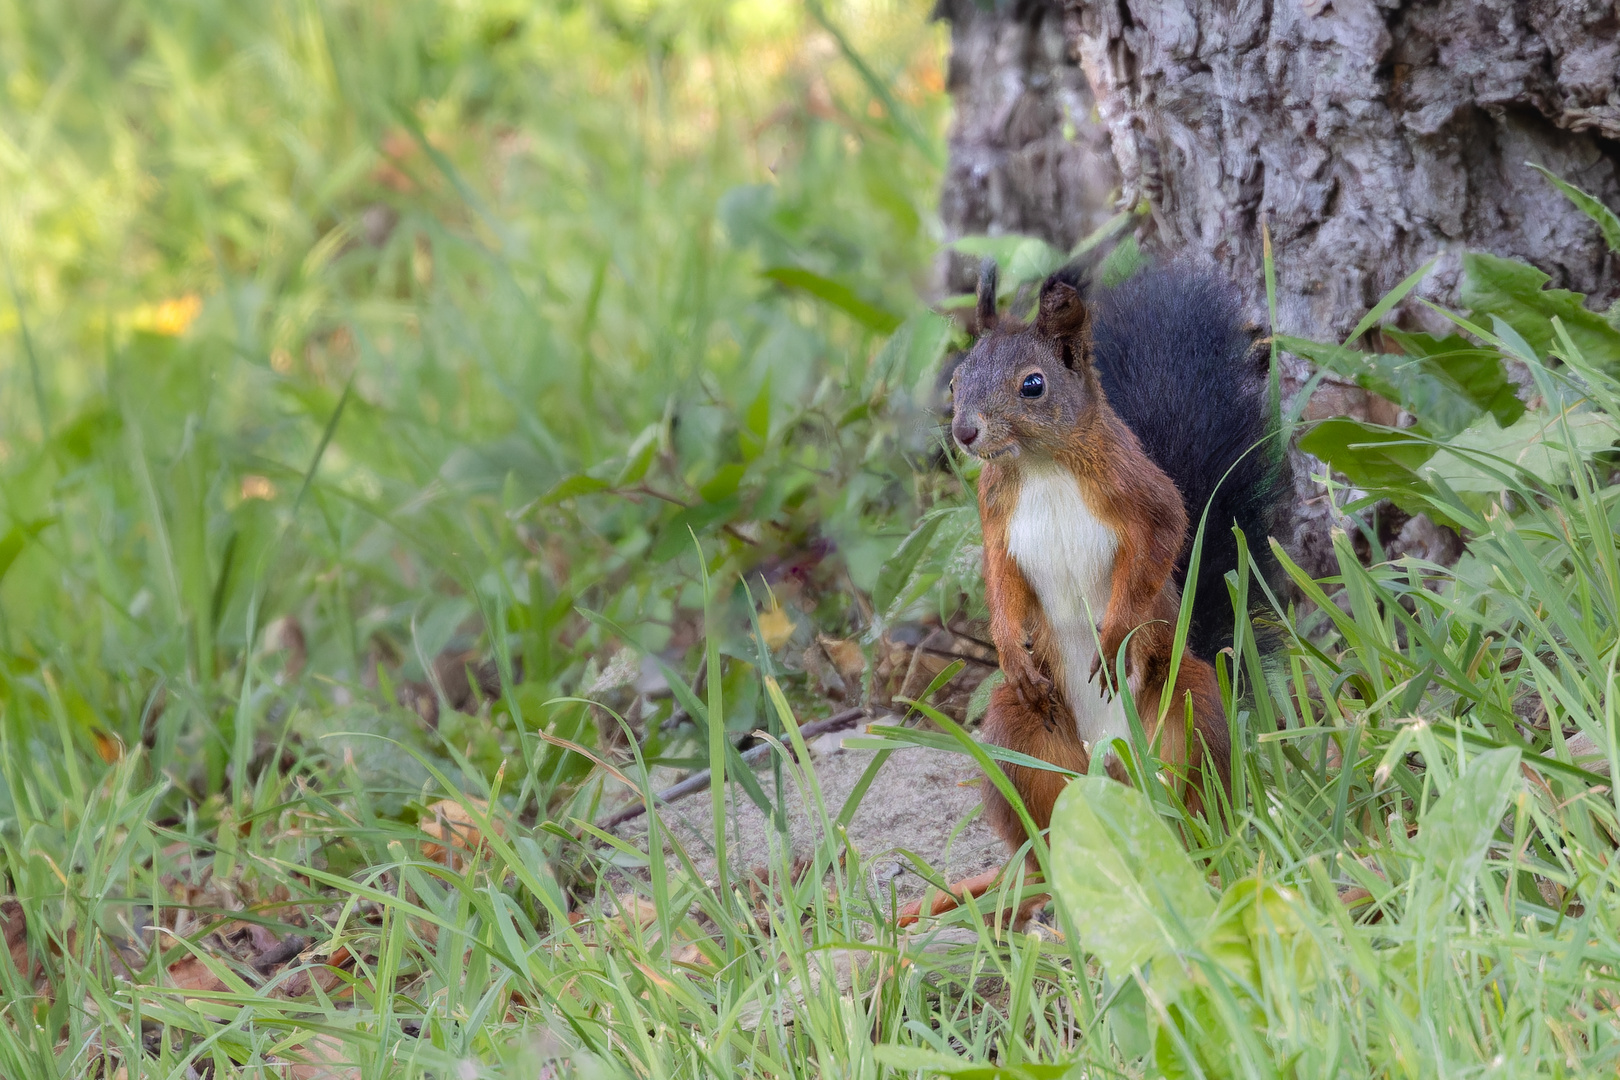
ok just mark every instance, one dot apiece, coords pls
pixel 430 427
pixel 397 322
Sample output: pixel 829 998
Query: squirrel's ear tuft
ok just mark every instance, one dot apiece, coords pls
pixel 1064 317
pixel 988 276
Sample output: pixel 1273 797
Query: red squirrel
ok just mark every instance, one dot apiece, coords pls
pixel 1085 534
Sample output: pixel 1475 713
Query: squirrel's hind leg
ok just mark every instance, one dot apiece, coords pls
pixel 1047 734
pixel 1211 743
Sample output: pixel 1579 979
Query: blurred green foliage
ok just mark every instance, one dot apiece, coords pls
pixel 339 339
pixel 500 306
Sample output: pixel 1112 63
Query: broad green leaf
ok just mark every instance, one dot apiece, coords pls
pixel 1125 260
pixel 572 486
pixel 1589 205
pixel 1478 373
pixel 837 294
pixel 1475 371
pixel 1445 382
pixel 95 422
pixel 915 589
pixel 639 457
pixel 897 569
pixel 911 356
pixel 757 418
pixel 951 555
pixel 931 335
pixel 1021 258
pixel 724 483
pixel 17 538
pixel 1255 918
pixel 1517 293
pixel 1128 1021
pixel 1375 458
pixel 11 546
pixel 673 537
pixel 1456 832
pixel 1413 382
pixel 1421 344
pixel 1130 890
pixel 1513 342
pixel 979 702
pixel 1539 445
pixel 1102 233
pixel 1195 1044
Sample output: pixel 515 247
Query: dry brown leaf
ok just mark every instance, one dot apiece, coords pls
pixel 323 973
pixel 320 1058
pixel 846 656
pixel 653 977
pixel 14 926
pixel 454 831
pixel 109 747
pixel 190 973
pixel 636 909
pixel 690 954
pixel 1355 897
pixel 279 953
pixel 426 931
pixel 260 939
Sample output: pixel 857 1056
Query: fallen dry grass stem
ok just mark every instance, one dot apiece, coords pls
pixel 699 781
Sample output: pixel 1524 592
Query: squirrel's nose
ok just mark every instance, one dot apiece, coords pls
pixel 966 430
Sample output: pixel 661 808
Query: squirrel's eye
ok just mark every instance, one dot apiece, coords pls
pixel 1034 385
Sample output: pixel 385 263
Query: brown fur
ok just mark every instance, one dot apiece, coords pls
pixel 1037 732
pixel 1072 425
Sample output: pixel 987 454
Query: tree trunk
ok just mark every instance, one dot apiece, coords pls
pixel 1369 136
pixel 1027 154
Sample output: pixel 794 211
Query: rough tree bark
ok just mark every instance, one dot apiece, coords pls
pixel 1371 136
pixel 1027 154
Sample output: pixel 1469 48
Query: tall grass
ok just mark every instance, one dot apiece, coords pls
pixel 462 269
pixel 343 337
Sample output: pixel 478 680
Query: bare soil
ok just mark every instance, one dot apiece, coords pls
pixel 924 802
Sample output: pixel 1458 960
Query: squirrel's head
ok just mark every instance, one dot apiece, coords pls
pixel 1024 389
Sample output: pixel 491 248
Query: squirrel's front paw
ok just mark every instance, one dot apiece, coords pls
pixel 1103 665
pixel 1035 692
pixel 1111 639
pixel 1103 675
pixel 1031 685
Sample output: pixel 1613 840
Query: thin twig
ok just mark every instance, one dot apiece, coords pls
pixel 969 637
pixel 699 781
pixel 678 715
pixel 958 656
pixel 643 489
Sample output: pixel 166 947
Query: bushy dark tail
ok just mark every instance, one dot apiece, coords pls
pixel 1181 368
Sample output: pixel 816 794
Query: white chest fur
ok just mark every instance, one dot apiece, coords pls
pixel 1067 556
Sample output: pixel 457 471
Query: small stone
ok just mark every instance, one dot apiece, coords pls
pixel 828 744
pixel 650 680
